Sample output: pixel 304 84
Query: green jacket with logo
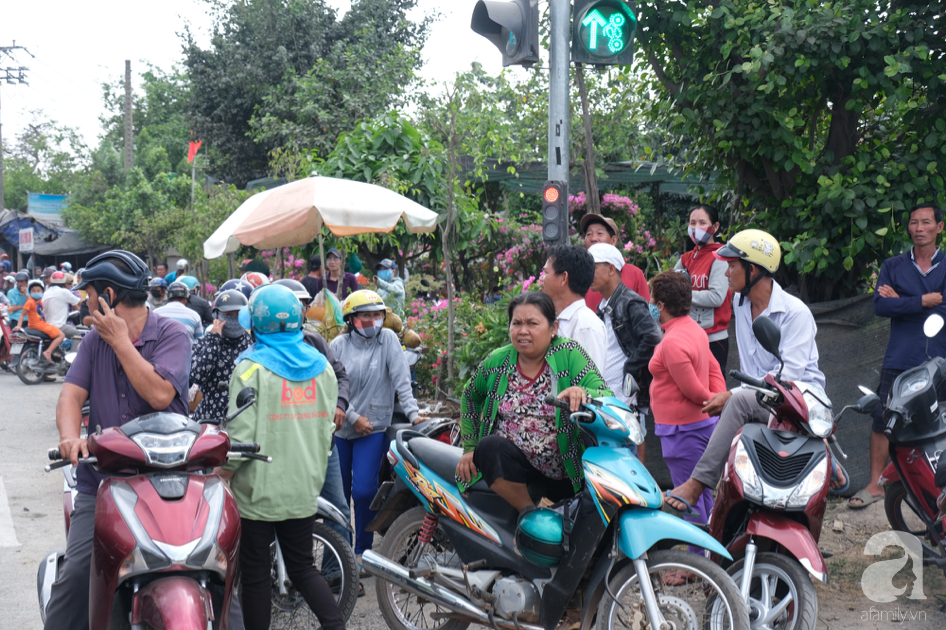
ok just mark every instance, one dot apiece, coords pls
pixel 293 424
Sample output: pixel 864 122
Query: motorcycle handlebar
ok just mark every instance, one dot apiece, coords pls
pixel 558 402
pixel 748 380
pixel 244 447
pixel 891 423
pixel 53 454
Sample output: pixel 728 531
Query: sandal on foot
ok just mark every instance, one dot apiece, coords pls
pixel 865 498
pixel 669 509
pixel 680 578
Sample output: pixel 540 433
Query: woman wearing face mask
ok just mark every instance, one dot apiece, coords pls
pixel 390 287
pixel 712 301
pixel 213 355
pixel 376 370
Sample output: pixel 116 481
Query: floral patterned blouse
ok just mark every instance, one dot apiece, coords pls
pixel 529 423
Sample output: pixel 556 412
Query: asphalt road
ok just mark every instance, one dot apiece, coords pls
pixel 31 522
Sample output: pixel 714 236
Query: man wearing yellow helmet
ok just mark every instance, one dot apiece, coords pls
pixel 753 256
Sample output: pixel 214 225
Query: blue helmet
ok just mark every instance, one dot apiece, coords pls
pixel 242 286
pixel 190 281
pixel 273 308
pixel 158 282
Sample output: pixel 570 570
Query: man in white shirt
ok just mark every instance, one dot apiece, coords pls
pixel 177 309
pixel 568 275
pixel 57 302
pixel 753 257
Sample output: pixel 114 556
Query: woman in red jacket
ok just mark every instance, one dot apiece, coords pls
pixel 685 377
pixel 712 300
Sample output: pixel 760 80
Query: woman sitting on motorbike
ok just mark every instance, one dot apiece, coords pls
pixel 511 438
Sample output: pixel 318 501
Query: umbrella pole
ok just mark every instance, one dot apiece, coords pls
pixel 324 276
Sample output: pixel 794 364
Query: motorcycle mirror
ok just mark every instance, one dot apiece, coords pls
pixel 631 388
pixel 768 334
pixel 70 357
pixel 866 404
pixel 865 390
pixel 932 325
pixel 247 396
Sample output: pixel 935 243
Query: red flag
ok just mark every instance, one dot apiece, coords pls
pixel 192 150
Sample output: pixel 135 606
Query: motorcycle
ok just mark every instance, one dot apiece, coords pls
pixel 27 354
pixel 915 427
pixel 771 500
pixel 602 555
pixel 6 340
pixel 394 496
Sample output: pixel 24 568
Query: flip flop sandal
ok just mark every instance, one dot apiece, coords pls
pixel 680 578
pixel 847 479
pixel 665 507
pixel 865 497
pixel 361 590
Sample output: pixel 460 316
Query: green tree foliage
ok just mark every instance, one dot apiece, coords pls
pixel 825 119
pixel 160 120
pixel 45 158
pixel 141 215
pixel 276 48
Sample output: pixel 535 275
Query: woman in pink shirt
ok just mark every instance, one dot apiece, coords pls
pixel 685 376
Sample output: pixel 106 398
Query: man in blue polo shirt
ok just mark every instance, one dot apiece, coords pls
pixel 909 289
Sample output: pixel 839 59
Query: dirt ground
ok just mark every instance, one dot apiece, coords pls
pixel 842 604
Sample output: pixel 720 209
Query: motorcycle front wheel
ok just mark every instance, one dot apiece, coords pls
pixel 706 600
pixel 290 611
pixel 402 610
pixel 781 594
pixel 24 369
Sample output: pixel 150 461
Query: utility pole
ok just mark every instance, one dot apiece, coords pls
pixel 128 131
pixel 12 76
pixel 559 115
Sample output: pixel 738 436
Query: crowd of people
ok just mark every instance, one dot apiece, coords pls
pixel 155 345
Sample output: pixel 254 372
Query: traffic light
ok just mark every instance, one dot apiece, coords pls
pixel 513 27
pixel 555 212
pixel 603 32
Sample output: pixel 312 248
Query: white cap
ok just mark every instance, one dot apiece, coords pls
pixel 10 279
pixel 607 253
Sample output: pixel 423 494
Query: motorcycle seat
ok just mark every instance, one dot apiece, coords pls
pixel 32 332
pixel 441 458
pixel 391 432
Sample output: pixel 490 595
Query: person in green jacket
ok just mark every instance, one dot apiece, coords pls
pixel 511 438
pixel 292 420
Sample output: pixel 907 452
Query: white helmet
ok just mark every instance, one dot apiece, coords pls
pixel 182 264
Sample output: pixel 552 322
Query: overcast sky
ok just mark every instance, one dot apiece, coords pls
pixel 79 45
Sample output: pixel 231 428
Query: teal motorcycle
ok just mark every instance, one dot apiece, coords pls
pixel 607 556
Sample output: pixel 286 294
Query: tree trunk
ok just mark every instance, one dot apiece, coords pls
pixel 591 179
pixel 448 234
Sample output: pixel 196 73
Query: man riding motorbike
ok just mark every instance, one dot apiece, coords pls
pixel 753 257
pixel 132 363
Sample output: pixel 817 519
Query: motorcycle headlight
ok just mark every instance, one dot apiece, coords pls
pixel 165 451
pixel 810 486
pixel 751 484
pixel 820 418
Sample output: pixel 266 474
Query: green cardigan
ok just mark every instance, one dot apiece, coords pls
pixel 570 366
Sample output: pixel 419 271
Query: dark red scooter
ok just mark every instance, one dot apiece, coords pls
pixel 915 427
pixel 167 530
pixel 771 500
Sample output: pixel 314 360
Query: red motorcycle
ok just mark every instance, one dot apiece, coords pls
pixel 167 530
pixel 6 340
pixel 771 500
pixel 915 427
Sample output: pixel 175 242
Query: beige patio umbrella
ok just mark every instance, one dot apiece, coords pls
pixel 294 214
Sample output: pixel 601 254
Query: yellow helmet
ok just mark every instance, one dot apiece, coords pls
pixel 753 246
pixel 362 302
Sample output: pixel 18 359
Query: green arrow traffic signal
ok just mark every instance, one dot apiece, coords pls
pixel 603 31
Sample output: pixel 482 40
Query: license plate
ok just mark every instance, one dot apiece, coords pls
pixel 17 348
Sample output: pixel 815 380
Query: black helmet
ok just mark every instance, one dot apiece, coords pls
pixel 22 276
pixel 298 289
pixel 230 300
pixel 117 269
pixel 178 291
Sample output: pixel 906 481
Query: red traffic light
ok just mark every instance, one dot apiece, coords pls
pixel 551 194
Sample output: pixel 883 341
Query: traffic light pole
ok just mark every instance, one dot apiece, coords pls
pixel 559 115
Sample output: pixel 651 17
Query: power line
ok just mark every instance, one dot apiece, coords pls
pixel 11 76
